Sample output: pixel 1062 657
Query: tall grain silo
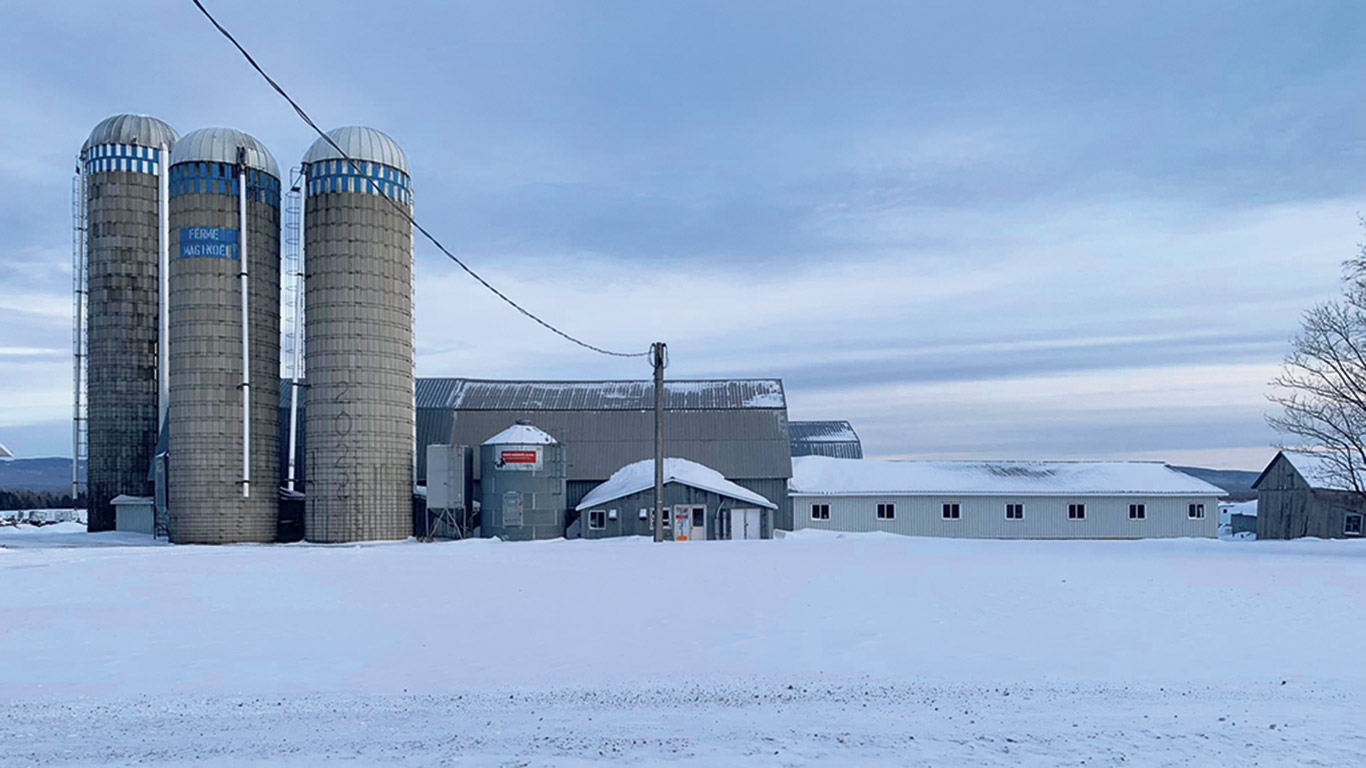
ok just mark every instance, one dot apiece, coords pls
pixel 359 425
pixel 124 202
pixel 224 339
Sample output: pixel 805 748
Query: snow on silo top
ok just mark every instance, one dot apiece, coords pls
pixel 521 434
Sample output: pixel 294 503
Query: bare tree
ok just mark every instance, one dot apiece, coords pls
pixel 1322 389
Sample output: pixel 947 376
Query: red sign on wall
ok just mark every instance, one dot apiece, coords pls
pixel 520 457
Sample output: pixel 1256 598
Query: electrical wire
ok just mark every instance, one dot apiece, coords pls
pixel 398 206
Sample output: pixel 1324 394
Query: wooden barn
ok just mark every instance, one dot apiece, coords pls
pixel 1301 494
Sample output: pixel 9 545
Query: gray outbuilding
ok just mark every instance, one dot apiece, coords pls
pixel 699 502
pixel 1300 494
pixel 1003 499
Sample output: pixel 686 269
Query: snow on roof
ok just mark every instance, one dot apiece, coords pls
pixel 5 452
pixel 821 475
pixel 1318 471
pixel 640 476
pixel 485 395
pixel 124 498
pixel 521 434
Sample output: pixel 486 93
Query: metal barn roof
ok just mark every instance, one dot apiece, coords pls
pixel 137 130
pixel 219 145
pixel 484 395
pixel 835 439
pixel 359 143
pixel 640 476
pixel 821 475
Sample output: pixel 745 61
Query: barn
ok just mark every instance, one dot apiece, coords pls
pixel 737 427
pixel 1300 494
pixel 1003 499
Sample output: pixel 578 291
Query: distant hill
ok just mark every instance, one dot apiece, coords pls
pixel 47 474
pixel 1237 482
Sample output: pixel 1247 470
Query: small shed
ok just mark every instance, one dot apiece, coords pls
pixel 1303 494
pixel 134 514
pixel 699 502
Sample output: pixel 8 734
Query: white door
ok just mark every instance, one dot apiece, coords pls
pixel 690 523
pixel 745 524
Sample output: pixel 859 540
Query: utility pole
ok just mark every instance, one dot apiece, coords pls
pixel 657 357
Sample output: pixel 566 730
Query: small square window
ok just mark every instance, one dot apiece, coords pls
pixel 1076 511
pixel 1196 511
pixel 820 511
pixel 1138 511
pixel 1352 525
pixel 951 512
pixel 644 513
pixel 886 511
pixel 1014 511
pixel 597 519
pixel 699 517
pixel 611 514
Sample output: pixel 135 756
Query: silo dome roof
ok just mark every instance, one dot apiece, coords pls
pixel 521 434
pixel 137 130
pixel 360 143
pixel 219 145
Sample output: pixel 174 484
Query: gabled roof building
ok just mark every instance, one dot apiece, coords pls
pixel 1003 499
pixel 1302 494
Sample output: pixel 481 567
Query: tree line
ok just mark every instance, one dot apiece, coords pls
pixel 12 500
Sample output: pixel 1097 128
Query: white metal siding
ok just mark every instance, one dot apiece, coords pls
pixel 984 517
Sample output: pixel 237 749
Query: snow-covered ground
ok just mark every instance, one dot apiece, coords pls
pixel 818 648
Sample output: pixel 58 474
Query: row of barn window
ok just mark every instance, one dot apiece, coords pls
pixel 952 511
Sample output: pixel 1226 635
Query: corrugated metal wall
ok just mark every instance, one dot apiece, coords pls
pixel 983 517
pixel 738 444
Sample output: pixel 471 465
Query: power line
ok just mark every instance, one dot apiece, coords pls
pixel 397 206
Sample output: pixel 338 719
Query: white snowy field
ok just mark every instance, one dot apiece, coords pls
pixel 814 649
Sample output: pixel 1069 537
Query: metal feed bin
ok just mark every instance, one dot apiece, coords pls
pixel 522 485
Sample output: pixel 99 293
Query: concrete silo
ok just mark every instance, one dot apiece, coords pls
pixel 522 483
pixel 124 202
pixel 359 422
pixel 224 339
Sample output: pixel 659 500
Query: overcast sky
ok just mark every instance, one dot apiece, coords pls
pixel 1031 230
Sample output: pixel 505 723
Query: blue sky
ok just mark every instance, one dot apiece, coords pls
pixel 1054 229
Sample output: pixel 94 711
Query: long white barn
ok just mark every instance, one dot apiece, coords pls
pixel 1003 499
